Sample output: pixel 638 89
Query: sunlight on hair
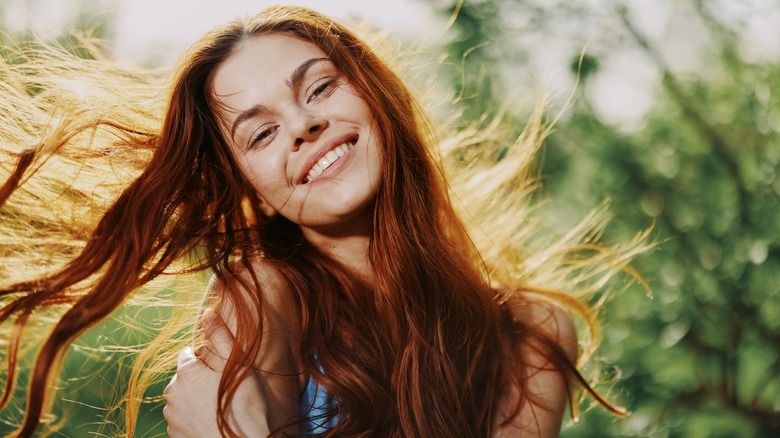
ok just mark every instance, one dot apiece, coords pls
pixel 90 128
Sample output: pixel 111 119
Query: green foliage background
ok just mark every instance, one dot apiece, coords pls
pixel 701 357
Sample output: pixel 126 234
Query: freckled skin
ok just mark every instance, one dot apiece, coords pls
pixel 295 124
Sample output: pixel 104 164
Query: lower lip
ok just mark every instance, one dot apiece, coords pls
pixel 335 168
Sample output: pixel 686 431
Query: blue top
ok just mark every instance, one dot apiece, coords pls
pixel 313 408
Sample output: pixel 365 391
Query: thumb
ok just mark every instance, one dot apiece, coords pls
pixel 219 339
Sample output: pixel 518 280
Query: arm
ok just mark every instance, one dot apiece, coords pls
pixel 542 412
pixel 191 395
pixel 274 377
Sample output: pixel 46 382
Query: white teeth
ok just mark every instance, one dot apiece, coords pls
pixel 329 158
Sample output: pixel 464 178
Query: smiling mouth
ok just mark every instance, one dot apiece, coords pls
pixel 328 159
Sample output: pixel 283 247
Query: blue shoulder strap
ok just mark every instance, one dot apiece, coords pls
pixel 314 406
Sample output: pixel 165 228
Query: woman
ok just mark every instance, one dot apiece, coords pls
pixel 348 298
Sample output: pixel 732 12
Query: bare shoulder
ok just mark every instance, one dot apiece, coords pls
pixel 271 280
pixel 257 305
pixel 552 321
pixel 241 291
pixel 543 394
pixel 265 307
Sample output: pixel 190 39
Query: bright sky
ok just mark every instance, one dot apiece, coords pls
pixel 177 23
pixel 160 30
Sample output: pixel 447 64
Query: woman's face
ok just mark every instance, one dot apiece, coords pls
pixel 302 135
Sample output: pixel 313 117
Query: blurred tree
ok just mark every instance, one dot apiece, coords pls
pixel 702 357
pixel 84 17
pixel 470 65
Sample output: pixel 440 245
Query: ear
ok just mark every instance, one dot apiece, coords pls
pixel 267 209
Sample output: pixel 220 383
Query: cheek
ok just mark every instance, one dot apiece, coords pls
pixel 255 173
pixel 267 174
pixel 349 101
pixel 377 160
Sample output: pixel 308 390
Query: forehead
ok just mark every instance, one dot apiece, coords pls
pixel 259 67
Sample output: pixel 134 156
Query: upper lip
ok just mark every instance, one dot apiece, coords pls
pixel 321 151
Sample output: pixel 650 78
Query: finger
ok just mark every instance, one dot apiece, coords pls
pixel 186 357
pixel 220 340
pixel 167 390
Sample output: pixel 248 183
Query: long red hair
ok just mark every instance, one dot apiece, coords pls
pixel 417 353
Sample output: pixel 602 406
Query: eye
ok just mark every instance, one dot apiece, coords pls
pixel 322 89
pixel 262 138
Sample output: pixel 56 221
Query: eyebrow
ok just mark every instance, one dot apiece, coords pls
pixel 294 82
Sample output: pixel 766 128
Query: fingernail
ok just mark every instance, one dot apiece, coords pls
pixel 186 355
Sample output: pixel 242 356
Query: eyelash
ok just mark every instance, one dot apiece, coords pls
pixel 321 89
pixel 318 92
pixel 265 133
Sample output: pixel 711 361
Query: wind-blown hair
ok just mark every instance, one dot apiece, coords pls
pixel 438 310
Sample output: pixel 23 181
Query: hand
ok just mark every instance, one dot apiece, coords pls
pixel 191 396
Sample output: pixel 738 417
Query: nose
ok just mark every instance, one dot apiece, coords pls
pixel 310 128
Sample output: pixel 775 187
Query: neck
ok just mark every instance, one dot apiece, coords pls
pixel 347 244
